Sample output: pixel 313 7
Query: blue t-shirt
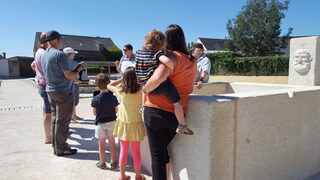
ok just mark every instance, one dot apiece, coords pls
pixel 54 62
pixel 105 104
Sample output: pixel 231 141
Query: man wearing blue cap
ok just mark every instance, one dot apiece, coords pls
pixel 59 73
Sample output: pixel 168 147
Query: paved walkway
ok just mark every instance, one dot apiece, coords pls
pixel 23 154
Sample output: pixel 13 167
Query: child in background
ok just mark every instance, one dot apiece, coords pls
pixel 105 108
pixel 147 61
pixel 71 53
pixel 129 127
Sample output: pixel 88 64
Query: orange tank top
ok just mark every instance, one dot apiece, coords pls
pixel 182 78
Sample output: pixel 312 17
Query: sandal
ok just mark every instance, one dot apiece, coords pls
pixel 114 165
pixel 181 129
pixel 102 165
pixel 126 178
pixel 140 178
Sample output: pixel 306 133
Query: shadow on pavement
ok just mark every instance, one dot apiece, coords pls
pixel 87 142
pixel 314 177
pixel 85 156
pixel 86 121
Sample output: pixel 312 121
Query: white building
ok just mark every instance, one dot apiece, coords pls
pixel 14 67
pixel 9 68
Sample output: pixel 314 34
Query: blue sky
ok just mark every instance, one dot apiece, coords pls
pixel 127 21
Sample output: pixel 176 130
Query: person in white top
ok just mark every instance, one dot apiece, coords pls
pixel 127 60
pixel 71 53
pixel 203 65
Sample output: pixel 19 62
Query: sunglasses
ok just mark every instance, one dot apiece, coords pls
pixel 125 50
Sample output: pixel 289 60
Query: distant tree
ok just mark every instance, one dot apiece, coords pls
pixel 190 45
pixel 256 29
pixel 112 53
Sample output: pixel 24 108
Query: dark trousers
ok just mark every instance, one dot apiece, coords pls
pixel 161 128
pixel 62 107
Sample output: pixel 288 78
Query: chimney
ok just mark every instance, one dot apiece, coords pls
pixel 4 55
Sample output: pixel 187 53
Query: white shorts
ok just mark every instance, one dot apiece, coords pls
pixel 104 130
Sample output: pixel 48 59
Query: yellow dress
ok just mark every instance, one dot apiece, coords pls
pixel 129 125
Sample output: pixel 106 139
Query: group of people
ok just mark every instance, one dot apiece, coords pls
pixel 56 76
pixel 150 98
pixel 41 82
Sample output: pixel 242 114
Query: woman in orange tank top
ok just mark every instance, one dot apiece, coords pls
pixel 159 117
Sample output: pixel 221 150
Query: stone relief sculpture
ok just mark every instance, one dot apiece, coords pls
pixel 302 61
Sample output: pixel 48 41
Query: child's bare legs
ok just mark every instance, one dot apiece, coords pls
pixel 112 145
pixel 168 169
pixel 47 126
pixel 178 111
pixel 102 150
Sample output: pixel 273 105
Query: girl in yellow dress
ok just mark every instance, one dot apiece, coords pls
pixel 129 127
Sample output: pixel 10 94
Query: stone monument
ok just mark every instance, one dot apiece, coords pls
pixel 304 68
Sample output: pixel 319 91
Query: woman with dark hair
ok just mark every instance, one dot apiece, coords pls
pixel 159 117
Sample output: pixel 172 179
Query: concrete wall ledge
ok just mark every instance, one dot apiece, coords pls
pixel 268 134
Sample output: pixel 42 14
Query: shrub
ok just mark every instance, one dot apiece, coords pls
pixel 113 53
pixel 94 70
pixel 226 63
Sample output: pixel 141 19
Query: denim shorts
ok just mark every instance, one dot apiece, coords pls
pixel 44 95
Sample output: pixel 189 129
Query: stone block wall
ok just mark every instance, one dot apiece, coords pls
pixel 268 134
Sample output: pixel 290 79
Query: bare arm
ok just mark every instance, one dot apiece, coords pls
pixel 160 75
pixel 116 109
pixel 94 111
pixel 117 64
pixel 70 75
pixel 33 66
pixel 168 60
pixel 204 74
pixel 112 86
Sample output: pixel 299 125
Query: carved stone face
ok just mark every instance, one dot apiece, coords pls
pixel 302 61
